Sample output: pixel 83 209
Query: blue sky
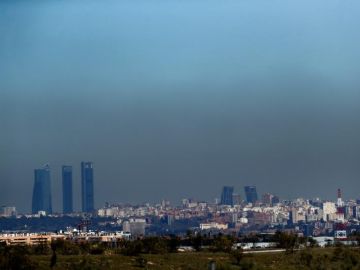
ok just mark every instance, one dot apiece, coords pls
pixel 175 99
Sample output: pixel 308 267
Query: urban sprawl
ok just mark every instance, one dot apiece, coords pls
pixel 324 221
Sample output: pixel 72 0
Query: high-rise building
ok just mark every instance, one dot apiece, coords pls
pixel 267 198
pixel 41 200
pixel 67 189
pixel 236 199
pixel 227 195
pixel 251 194
pixel 7 211
pixel 340 202
pixel 87 186
pixel 275 199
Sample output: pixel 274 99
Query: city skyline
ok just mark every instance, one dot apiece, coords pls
pixel 42 194
pixel 57 185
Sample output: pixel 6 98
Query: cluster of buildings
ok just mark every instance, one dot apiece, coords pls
pixel 228 197
pixel 230 214
pixel 233 215
pixel 41 198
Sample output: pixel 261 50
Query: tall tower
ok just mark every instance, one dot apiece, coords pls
pixel 41 199
pixel 67 189
pixel 251 194
pixel 227 195
pixel 87 186
pixel 340 202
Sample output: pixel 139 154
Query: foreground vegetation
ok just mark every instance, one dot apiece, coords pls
pixel 328 258
pixel 162 253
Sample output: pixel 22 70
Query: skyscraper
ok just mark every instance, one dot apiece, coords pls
pixel 87 186
pixel 67 189
pixel 227 195
pixel 41 200
pixel 250 194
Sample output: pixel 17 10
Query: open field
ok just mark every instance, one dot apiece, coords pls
pixel 317 258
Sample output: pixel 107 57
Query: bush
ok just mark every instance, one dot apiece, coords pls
pixel 141 262
pixel 247 265
pixel 132 248
pixel 173 244
pixel 154 245
pixel 305 258
pixel 237 255
pixel 287 241
pixel 66 247
pixel 222 244
pixel 41 249
pixel 13 258
pixel 96 249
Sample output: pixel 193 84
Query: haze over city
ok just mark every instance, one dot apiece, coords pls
pixel 174 99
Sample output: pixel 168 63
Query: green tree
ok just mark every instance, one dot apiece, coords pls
pixel 141 262
pixel 132 248
pixel 53 256
pixel 66 247
pixel 288 241
pixel 237 255
pixel 305 258
pixel 41 248
pixel 197 242
pixel 312 242
pixel 16 258
pixel 154 245
pixel 222 244
pixel 173 244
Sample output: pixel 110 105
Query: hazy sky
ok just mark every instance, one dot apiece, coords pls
pixel 176 98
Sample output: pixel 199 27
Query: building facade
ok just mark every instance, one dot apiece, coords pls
pixel 67 185
pixel 251 194
pixel 227 195
pixel 41 199
pixel 8 211
pixel 87 186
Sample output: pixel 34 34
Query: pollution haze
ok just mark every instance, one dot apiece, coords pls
pixel 176 98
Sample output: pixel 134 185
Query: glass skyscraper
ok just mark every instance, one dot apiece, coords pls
pixel 251 194
pixel 67 189
pixel 87 186
pixel 227 195
pixel 41 200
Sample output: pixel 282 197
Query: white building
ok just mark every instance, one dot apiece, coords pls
pixel 329 211
pixel 213 225
pixel 8 211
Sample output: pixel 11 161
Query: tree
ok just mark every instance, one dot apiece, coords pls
pixel 237 255
pixel 53 260
pixel 287 241
pixel 312 242
pixel 222 244
pixel 306 257
pixel 154 245
pixel 53 256
pixel 16 257
pixel 66 247
pixel 173 244
pixel 141 262
pixel 41 248
pixel 132 248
